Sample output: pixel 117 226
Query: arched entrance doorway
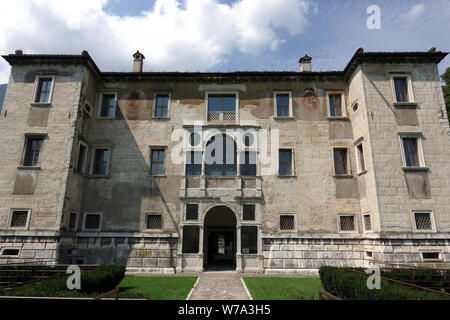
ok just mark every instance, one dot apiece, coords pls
pixel 219 244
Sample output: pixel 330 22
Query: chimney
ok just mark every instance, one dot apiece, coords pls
pixel 138 61
pixel 305 64
pixel 19 52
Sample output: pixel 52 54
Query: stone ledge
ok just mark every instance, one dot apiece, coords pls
pixel 304 272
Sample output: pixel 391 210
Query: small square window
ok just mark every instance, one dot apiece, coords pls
pixel 161 105
pixel 248 212
pixel 192 211
pixel 347 223
pixel 43 89
pixel 73 221
pixel 367 222
pixel 287 222
pixel 19 218
pixel 285 162
pixel 33 146
pixel 154 221
pixel 423 221
pixel 340 161
pixel 107 105
pixel 101 161
pixel 92 222
pixel 157 161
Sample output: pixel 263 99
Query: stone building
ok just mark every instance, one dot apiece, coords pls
pixel 271 172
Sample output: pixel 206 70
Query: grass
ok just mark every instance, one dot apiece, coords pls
pixel 272 288
pixel 157 288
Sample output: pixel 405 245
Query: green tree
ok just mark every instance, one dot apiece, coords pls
pixel 446 88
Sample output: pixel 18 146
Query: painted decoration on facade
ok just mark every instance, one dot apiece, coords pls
pixel 310 100
pixel 134 104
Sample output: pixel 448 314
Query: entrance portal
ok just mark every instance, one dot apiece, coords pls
pixel 220 239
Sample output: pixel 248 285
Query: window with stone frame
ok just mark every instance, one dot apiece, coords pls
pixel 73 221
pixel 249 239
pixel 282 101
pixel 335 104
pixel 82 158
pixel 19 218
pixel 360 158
pixel 367 222
pixel 401 89
pixel 101 158
pixel 410 151
pixel 92 221
pixel 154 221
pixel 191 237
pixel 33 146
pixel 347 223
pixel 287 222
pixel 340 161
pixel 161 105
pixel 423 221
pixel 157 161
pixel 108 105
pixel 43 90
pixel 248 213
pixel 285 162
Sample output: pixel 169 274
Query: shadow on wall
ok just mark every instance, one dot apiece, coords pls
pixel 2 95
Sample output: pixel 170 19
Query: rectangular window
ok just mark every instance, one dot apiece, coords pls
pixel 194 163
pixel 248 163
pixel 367 222
pixel 154 222
pixel 19 218
pixel 222 107
pixel 360 158
pixel 401 89
pixel 33 145
pixel 73 221
pixel 82 157
pixel 431 256
pixel 249 239
pixel 108 105
pixel 10 252
pixel 335 105
pixel 287 222
pixel 282 104
pixel 285 162
pixel 157 161
pixel 410 152
pixel 347 223
pixel 161 105
pixel 92 221
pixel 340 161
pixel 423 221
pixel 191 239
pixel 248 212
pixel 101 161
pixel 192 211
pixel 43 90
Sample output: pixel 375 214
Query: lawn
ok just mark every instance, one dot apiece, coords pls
pixel 157 288
pixel 272 288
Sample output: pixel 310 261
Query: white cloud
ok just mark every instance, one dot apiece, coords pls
pixel 196 36
pixel 416 11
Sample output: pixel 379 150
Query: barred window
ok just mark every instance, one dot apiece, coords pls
pixel 347 223
pixel 192 211
pixel 92 221
pixel 423 221
pixel 287 222
pixel 367 222
pixel 154 221
pixel 248 212
pixel 19 219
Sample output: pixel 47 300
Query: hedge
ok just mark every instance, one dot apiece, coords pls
pixel 93 282
pixel 349 285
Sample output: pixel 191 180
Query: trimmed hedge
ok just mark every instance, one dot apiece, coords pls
pixel 353 286
pixel 93 282
pixel 428 278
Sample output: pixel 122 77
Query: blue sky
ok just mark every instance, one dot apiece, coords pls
pixel 218 35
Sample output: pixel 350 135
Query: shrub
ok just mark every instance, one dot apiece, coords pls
pixel 93 283
pixel 428 278
pixel 353 286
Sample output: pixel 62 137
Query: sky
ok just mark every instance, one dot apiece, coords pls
pixel 219 35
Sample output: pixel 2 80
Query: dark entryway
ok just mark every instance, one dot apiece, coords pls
pixel 220 239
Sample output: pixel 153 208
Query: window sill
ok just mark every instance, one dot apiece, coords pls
pixel 105 118
pixel 29 168
pixel 343 176
pixel 406 104
pixel 161 118
pixel 416 169
pixel 221 177
pixel 287 177
pixel 340 118
pixel 157 175
pixel 362 173
pixel 99 176
pixel 288 118
pixel 41 104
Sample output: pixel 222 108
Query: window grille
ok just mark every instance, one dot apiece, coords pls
pixel 19 219
pixel 347 223
pixel 154 221
pixel 286 222
pixel 367 222
pixel 423 221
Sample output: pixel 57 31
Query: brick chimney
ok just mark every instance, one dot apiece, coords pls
pixel 305 63
pixel 138 62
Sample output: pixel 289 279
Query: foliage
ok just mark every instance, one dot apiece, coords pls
pixel 446 89
pixel 349 285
